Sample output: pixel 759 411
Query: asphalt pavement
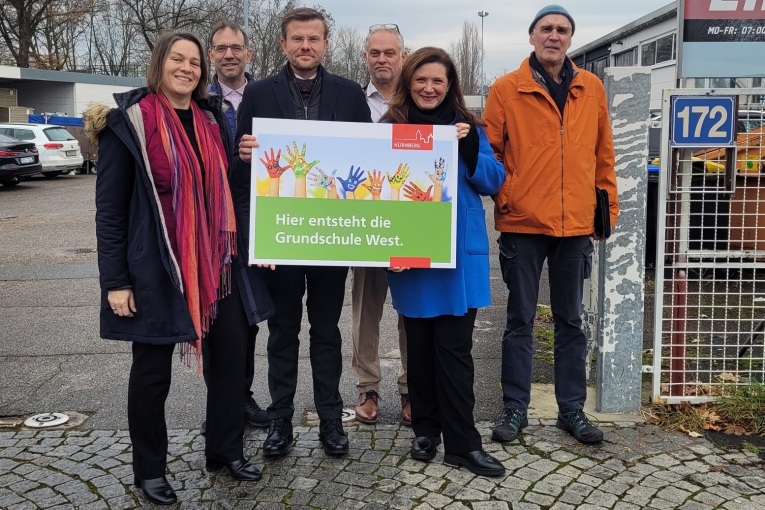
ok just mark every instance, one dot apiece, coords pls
pixel 52 360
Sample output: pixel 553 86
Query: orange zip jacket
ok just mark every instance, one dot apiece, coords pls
pixel 552 163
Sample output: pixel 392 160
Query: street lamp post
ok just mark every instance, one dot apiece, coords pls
pixel 482 14
pixel 246 16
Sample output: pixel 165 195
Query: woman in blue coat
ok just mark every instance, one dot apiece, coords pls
pixel 439 305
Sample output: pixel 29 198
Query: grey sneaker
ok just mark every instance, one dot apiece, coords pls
pixel 577 424
pixel 509 424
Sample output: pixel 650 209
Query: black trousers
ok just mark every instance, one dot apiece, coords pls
pixel 249 367
pixel 224 351
pixel 325 287
pixel 441 374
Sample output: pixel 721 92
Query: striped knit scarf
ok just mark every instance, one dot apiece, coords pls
pixel 205 230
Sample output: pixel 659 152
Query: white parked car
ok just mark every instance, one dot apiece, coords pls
pixel 59 150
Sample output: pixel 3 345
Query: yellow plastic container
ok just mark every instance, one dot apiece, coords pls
pixel 748 163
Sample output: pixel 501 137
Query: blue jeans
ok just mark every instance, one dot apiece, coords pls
pixel 569 261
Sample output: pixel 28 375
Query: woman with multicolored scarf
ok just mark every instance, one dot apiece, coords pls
pixel 166 230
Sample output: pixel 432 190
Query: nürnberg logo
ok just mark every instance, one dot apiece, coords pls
pixel 413 137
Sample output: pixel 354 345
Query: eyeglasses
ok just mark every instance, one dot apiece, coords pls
pixel 313 40
pixel 223 48
pixel 548 29
pixel 384 26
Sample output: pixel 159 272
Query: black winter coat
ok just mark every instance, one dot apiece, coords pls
pixel 133 245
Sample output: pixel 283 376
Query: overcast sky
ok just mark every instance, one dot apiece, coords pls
pixel 506 39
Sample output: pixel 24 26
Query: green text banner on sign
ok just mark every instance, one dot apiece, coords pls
pixel 336 193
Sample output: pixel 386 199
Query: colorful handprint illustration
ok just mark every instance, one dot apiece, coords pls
pixel 416 194
pixel 438 177
pixel 275 171
pixel 325 181
pixel 397 180
pixel 350 183
pixel 374 183
pixel 296 160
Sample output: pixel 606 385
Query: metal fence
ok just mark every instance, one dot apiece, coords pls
pixel 710 266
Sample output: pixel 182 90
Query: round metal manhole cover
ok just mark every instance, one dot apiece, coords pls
pixel 39 421
pixel 348 415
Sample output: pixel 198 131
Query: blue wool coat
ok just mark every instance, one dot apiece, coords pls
pixel 425 293
pixel 133 246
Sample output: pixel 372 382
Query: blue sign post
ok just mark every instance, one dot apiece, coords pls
pixel 703 121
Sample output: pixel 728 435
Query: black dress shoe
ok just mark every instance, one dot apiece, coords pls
pixel 424 447
pixel 254 415
pixel 238 469
pixel 157 490
pixel 279 439
pixel 478 462
pixel 333 438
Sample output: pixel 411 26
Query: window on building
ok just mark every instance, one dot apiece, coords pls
pixel 759 98
pixel 626 58
pixel 658 51
pixel 722 83
pixel 598 67
pixel 700 83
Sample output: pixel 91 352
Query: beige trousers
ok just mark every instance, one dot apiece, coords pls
pixel 368 292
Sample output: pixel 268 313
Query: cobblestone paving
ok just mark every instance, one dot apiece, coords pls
pixel 638 466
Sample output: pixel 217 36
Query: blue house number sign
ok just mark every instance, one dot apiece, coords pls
pixel 703 121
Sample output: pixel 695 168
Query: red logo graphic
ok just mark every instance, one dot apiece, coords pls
pixel 725 9
pixel 412 137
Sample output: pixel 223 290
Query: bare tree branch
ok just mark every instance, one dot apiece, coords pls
pixel 19 21
pixel 466 53
pixel 346 55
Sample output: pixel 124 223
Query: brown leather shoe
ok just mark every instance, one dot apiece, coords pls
pixel 406 411
pixel 367 408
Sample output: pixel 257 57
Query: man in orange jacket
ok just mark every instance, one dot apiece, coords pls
pixel 548 123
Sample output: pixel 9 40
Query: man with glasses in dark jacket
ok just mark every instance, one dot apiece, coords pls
pixel 230 55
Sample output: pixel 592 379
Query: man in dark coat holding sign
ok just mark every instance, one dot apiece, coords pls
pixel 302 90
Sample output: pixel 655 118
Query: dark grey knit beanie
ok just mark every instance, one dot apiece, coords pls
pixel 552 9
